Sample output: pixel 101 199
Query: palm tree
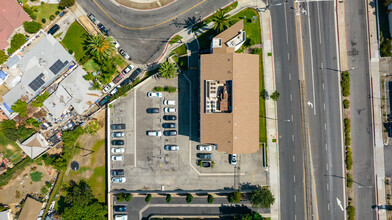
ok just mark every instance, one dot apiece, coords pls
pixel 168 70
pixel 100 46
pixel 221 20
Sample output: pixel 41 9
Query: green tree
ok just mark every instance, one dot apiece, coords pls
pixel 128 197
pixel 120 197
pixel 36 176
pixel 262 198
pixel 249 216
pixel 100 46
pixel 20 107
pixel 275 95
pixel 80 203
pixel 237 196
pixel 221 20
pixel 345 83
pixel 32 26
pixel 167 70
pixel 168 198
pixel 189 198
pixel 148 198
pixel 351 211
pixel 38 101
pixel 16 42
pixel 66 3
pixel 8 128
pixel 210 198
pixel 3 57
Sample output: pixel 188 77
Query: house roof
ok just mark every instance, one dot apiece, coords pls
pixel 40 66
pixel 236 131
pixel 34 146
pixel 31 209
pixel 226 36
pixel 12 16
pixel 67 94
pixel 4 215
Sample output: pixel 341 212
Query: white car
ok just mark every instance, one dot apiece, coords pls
pixel 171 110
pixel 154 133
pixel 117 134
pixel 154 94
pixel 113 91
pixel 119 179
pixel 117 158
pixel 127 69
pixel 169 102
pixel 117 150
pixel 108 87
pixel 116 44
pixel 233 159
pixel 204 147
pixel 171 147
pixel 120 217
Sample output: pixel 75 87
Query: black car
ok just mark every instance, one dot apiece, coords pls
pixel 125 82
pixel 152 110
pixel 204 156
pixel 103 101
pixel 117 142
pixel 117 172
pixel 169 117
pixel 54 29
pixel 204 163
pixel 118 126
pixel 120 208
pixel 169 125
pixel 170 133
pixel 103 29
pixel 135 74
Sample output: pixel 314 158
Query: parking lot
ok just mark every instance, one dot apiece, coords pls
pixel 148 166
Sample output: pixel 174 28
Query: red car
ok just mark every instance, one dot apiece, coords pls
pixel 117 79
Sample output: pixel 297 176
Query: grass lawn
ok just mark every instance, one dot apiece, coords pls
pixel 181 50
pixel 262 120
pixel 251 27
pixel 10 149
pixel 175 39
pixel 74 39
pixel 119 60
pixel 45 10
pixel 91 66
pixel 98 183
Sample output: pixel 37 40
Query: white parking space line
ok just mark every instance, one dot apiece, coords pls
pixel 326 147
pixel 292 137
pixel 295 198
pixel 293 158
pixel 294 178
pixel 291 98
pixel 288 56
pixel 289 76
pixel 292 118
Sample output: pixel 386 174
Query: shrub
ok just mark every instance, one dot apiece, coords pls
pixel 210 199
pixel 386 47
pixel 29 10
pixel 345 84
pixel 36 176
pixel 128 197
pixel 66 3
pixel 38 101
pixel 70 52
pixel 349 159
pixel 20 107
pixel 230 198
pixel 275 95
pixel 43 20
pixel 120 197
pixel 8 128
pixel 57 13
pixel 16 42
pixel 84 59
pixel 48 184
pixel 32 26
pixel 148 198
pixel 249 42
pixel 158 89
pixel 256 51
pixel 51 17
pixel 36 124
pixel 189 198
pixel 170 89
pixel 237 196
pixel 3 57
pixel 168 198
pixel 346 103
pixel 351 211
pixel 262 198
pixel 349 180
pixel 44 190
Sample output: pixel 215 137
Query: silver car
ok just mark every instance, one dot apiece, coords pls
pixel 117 158
pixel 171 147
pixel 119 179
pixel 117 134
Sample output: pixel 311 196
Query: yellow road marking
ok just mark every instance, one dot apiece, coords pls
pixel 169 180
pixel 152 26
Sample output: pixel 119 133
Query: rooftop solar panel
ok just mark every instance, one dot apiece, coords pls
pixel 37 82
pixel 58 66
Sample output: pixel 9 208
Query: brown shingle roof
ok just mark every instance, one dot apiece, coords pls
pixel 237 131
pixel 30 209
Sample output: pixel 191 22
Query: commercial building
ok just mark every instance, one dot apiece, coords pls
pixel 229 100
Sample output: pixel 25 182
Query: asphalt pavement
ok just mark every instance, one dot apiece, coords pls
pixel 144 34
pixel 322 87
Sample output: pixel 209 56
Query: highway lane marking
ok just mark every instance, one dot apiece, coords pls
pixel 323 83
pixel 148 27
pixel 326 167
pixel 319 25
pixel 253 177
pixel 328 206
pixel 324 105
pixel 288 56
pixel 289 76
pixel 327 187
pixel 295 198
pixel 169 180
pixel 311 60
pixel 292 118
pixel 291 98
pixel 326 147
pixel 292 137
pixel 325 126
pixel 293 158
pixel 294 178
pixel 285 19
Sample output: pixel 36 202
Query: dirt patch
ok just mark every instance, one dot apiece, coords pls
pixel 144 6
pixel 10 147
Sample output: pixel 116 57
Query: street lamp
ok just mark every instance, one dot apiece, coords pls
pixel 277 119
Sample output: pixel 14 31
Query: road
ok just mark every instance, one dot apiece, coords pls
pixel 361 118
pixel 144 34
pixel 323 122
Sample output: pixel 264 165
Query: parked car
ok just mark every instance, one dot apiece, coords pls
pixel 152 110
pixel 117 134
pixel 117 78
pixel 204 147
pixel 117 158
pixel 204 163
pixel 93 18
pixel 154 94
pixel 119 179
pixel 169 102
pixel 169 125
pixel 120 217
pixel 103 101
pixel 171 110
pixel 120 208
pixel 108 87
pixel 135 74
pixel 205 156
pixel 125 82
pixel 123 54
pixel 171 147
pixel 233 159
pixel 170 133
pixel 154 133
pixel 117 172
pixel 117 142
pixel 118 126
pixel 63 13
pixel 103 29
pixel 114 91
pixel 169 117
pixel 127 69
pixel 54 29
pixel 117 150
pixel 116 44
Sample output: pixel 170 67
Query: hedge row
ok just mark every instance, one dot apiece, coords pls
pixel 347 132
pixel 349 158
pixel 346 84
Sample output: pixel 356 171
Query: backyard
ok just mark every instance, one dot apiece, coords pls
pixel 74 40
pixel 45 11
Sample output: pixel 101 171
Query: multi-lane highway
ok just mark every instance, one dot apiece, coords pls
pixel 312 61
